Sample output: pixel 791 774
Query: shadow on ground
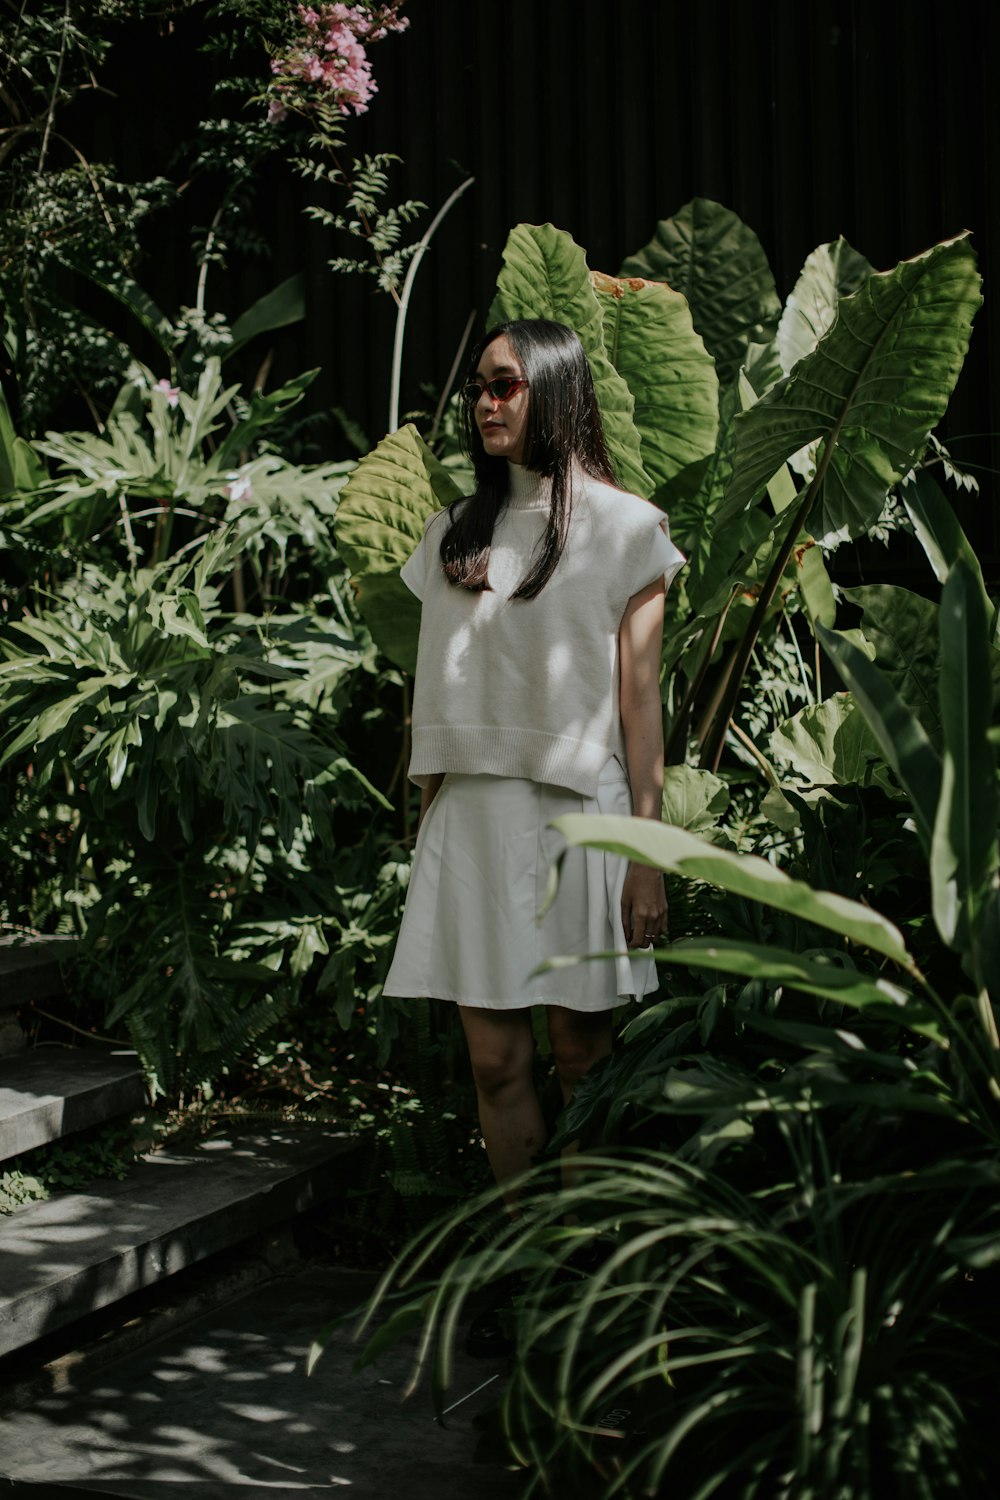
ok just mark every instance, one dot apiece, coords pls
pixel 224 1408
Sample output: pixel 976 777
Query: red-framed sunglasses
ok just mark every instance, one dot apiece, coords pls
pixel 501 389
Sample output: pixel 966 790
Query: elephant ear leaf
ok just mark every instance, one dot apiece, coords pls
pixel 708 254
pixel 545 275
pixel 831 272
pixel 380 520
pixel 872 390
pixel 651 342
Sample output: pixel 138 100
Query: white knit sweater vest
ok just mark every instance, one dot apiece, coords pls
pixel 529 687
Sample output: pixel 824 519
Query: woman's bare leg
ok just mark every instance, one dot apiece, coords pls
pixel 579 1040
pixel 501 1049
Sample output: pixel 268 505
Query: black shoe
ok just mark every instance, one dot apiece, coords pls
pixel 488 1335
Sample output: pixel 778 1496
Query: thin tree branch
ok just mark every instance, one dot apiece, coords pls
pixel 55 91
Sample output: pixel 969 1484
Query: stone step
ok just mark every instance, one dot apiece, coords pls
pixel 81 1251
pixel 48 1092
pixel 30 967
pixel 30 970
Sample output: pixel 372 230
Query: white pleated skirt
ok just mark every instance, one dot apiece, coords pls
pixel 471 931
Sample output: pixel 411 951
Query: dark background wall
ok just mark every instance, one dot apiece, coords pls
pixel 809 118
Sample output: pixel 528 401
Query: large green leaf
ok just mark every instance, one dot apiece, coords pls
pixel 20 466
pixel 939 533
pixel 263 410
pixel 652 344
pixel 693 799
pixel 681 853
pixel 828 744
pixel 872 389
pixel 278 308
pixel 545 275
pixel 800 972
pixel 709 255
pixel 131 296
pixel 815 584
pixel 265 760
pixel 900 734
pixel 694 501
pixel 806 567
pixel 964 850
pixel 903 628
pixel 380 520
pixel 831 272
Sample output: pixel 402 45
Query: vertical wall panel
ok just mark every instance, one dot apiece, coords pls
pixel 810 118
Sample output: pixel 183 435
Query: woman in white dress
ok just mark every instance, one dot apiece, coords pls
pixel 536 694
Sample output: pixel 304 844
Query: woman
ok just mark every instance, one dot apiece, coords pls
pixel 536 694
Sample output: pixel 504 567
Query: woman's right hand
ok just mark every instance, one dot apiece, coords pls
pixel 644 906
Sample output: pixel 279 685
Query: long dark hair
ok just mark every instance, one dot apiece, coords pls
pixel 563 425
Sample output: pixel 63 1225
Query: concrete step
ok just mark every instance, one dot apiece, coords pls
pixel 82 1251
pixel 30 967
pixel 30 970
pixel 47 1092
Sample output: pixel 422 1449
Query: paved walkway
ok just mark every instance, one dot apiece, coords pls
pixel 223 1407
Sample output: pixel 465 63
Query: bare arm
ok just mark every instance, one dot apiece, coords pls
pixel 427 795
pixel 640 639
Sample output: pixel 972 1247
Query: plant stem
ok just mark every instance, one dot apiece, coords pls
pixel 716 737
pixel 989 1020
pixel 404 302
pixel 790 623
pixel 133 555
pixel 57 81
pixel 751 748
pixel 456 362
pixel 199 301
pixel 678 728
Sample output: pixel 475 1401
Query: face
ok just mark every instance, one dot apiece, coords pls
pixel 502 424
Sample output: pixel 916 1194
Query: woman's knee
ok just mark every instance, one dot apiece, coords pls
pixel 501 1056
pixel 578 1042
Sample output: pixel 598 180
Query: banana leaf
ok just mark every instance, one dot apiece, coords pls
pixel 681 853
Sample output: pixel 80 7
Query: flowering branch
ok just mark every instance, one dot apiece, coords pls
pixel 327 59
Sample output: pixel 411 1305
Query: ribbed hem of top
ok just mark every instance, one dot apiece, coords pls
pixel 482 750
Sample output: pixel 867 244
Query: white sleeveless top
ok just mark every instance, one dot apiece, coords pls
pixel 529 687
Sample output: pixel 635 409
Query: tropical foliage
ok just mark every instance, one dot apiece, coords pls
pixel 775 1273
pixel 180 649
pixel 75 231
pixel 183 758
pixel 773 1276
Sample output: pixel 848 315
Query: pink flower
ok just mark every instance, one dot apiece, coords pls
pixel 338 33
pixel 276 112
pixel 172 392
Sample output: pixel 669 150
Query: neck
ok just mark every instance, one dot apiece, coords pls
pixel 526 489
